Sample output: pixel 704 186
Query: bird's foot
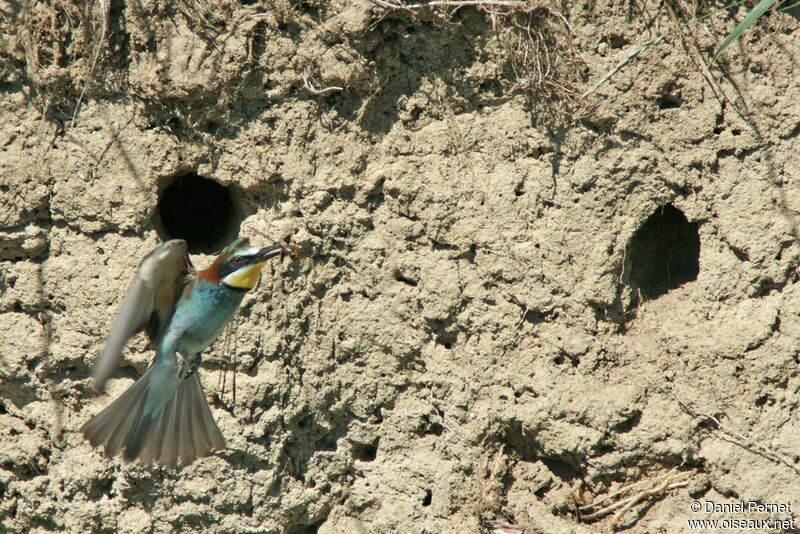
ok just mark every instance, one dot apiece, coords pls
pixel 188 366
pixel 195 365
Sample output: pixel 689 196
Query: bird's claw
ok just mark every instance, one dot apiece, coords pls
pixel 186 367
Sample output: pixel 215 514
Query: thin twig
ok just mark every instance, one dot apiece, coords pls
pixel 105 5
pixel 442 421
pixel 522 319
pixel 623 490
pixel 646 495
pixel 642 48
pixel 658 486
pixel 506 528
pixel 737 437
pixel 619 66
pixel 314 91
pixel 507 4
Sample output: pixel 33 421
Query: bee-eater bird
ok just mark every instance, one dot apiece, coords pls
pixel 164 415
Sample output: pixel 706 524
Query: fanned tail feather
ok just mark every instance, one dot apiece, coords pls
pixel 184 428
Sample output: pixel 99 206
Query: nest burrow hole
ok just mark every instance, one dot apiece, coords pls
pixel 199 210
pixel 664 253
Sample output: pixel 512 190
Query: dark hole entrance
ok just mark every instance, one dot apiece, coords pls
pixel 668 102
pixel 428 498
pixel 664 253
pixel 366 452
pixel 199 210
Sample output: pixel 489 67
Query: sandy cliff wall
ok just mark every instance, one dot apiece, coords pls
pixel 511 303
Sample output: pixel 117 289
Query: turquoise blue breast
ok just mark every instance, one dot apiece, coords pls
pixel 200 317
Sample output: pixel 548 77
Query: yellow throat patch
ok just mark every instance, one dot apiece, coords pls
pixel 244 278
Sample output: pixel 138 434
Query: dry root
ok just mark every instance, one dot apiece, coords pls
pixel 625 499
pixel 728 434
pixel 531 43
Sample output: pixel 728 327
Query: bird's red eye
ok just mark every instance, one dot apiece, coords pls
pixel 237 260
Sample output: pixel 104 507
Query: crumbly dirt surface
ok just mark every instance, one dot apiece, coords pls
pixel 461 344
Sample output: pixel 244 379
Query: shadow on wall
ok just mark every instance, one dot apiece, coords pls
pixel 406 53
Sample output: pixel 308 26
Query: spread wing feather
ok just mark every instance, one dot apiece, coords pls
pixel 149 303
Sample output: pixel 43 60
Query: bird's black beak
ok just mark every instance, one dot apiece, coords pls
pixel 266 253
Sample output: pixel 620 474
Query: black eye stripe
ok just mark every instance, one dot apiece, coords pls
pixel 231 265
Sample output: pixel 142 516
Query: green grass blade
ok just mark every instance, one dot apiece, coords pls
pixel 751 17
